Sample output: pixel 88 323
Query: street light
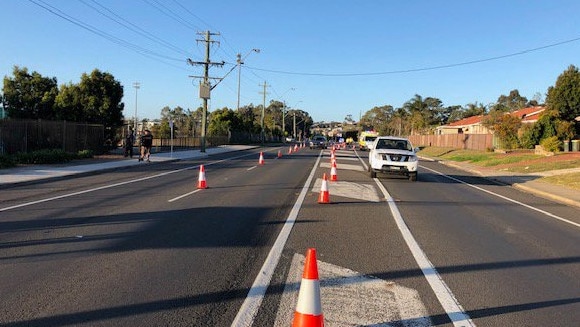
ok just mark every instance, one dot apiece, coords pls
pixel 136 85
pixel 240 61
pixel 284 114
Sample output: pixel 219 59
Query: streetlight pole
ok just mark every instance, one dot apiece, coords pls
pixel 136 85
pixel 240 61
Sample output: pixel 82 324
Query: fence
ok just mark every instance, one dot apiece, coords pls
pixel 30 135
pixel 459 141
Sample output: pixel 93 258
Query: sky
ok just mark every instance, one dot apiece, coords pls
pixel 330 58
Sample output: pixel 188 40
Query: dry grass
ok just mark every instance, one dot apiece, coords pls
pixel 568 180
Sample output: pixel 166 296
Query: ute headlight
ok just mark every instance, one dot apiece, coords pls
pixel 413 159
pixel 379 156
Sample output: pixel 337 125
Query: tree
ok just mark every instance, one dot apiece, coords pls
pixel 68 103
pixel 29 95
pixel 564 96
pixel 101 97
pixel 512 102
pixel 378 118
pixel 505 126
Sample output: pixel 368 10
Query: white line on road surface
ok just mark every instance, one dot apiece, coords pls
pixel 442 291
pixel 116 184
pixel 254 167
pixel 505 198
pixel 249 308
pixel 184 195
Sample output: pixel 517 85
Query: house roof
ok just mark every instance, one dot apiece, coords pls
pixel 530 114
pixel 527 115
pixel 473 120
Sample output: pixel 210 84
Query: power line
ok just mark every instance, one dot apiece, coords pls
pixel 171 14
pixel 99 32
pixel 138 49
pixel 134 28
pixel 413 70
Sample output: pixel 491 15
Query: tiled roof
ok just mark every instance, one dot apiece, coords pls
pixel 467 121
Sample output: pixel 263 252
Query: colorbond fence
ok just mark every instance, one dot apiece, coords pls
pixel 30 135
pixel 459 141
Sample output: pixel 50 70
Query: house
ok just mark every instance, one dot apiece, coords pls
pixel 473 124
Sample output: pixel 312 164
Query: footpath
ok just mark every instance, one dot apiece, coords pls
pixel 530 183
pixel 32 174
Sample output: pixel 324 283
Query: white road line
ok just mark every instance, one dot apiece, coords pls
pixel 184 195
pixel 442 291
pixel 254 167
pixel 249 308
pixel 505 198
pixel 117 184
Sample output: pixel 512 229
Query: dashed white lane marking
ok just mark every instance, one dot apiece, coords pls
pixel 183 195
pixel 505 198
pixel 351 299
pixel 365 192
pixel 254 167
pixel 249 308
pixel 439 287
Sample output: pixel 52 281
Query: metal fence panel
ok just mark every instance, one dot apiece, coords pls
pixel 31 135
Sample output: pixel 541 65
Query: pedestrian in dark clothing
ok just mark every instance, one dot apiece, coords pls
pixel 129 141
pixel 146 144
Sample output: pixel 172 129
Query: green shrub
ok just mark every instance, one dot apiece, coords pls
pixel 51 156
pixel 85 154
pixel 551 144
pixel 7 161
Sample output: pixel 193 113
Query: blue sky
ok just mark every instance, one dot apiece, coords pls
pixel 329 58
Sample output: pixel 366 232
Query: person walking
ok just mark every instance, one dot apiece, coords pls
pixel 129 141
pixel 146 144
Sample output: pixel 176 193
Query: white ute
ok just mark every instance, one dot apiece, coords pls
pixel 393 155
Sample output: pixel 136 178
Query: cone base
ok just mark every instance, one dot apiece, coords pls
pixel 302 320
pixel 324 198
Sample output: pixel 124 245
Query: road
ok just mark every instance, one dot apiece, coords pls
pixel 141 246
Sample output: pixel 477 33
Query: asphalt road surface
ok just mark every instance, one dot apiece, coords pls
pixel 143 247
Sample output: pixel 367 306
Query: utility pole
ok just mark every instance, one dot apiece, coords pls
pixel 265 85
pixel 136 85
pixel 284 123
pixel 205 85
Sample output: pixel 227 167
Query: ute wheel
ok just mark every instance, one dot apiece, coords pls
pixel 413 177
pixel 373 173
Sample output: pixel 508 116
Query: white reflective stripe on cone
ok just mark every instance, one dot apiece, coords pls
pixel 309 298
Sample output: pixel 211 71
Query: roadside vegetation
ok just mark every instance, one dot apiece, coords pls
pixel 49 156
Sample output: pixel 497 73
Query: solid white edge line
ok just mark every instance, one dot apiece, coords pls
pixel 254 167
pixel 249 308
pixel 506 198
pixel 448 301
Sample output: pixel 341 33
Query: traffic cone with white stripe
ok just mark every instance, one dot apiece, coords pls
pixel 279 154
pixel 333 176
pixel 308 311
pixel 295 147
pixel 261 160
pixel 201 182
pixel 290 150
pixel 324 196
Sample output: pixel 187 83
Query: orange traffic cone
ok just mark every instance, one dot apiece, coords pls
pixel 201 183
pixel 261 160
pixel 290 150
pixel 333 176
pixel 332 156
pixel 324 196
pixel 279 154
pixel 295 147
pixel 309 308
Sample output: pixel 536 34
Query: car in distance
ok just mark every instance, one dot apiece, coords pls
pixel 318 142
pixel 393 155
